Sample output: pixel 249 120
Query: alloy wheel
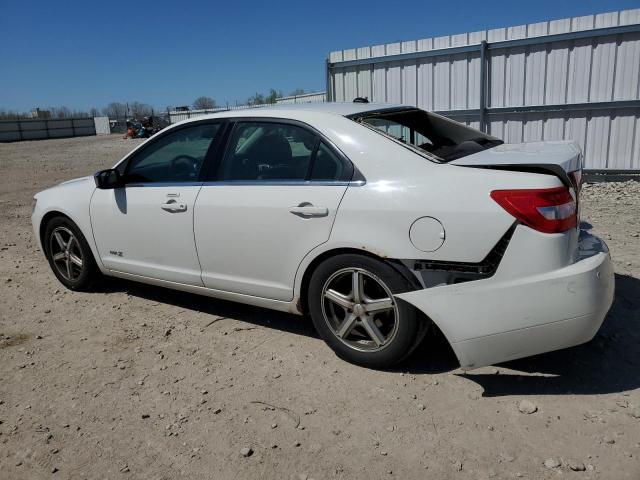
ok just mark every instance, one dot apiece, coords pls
pixel 359 309
pixel 66 253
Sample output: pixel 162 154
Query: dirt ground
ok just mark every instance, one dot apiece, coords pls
pixel 141 382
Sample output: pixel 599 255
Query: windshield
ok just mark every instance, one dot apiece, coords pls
pixel 439 136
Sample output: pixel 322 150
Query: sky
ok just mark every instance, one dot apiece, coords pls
pixel 166 53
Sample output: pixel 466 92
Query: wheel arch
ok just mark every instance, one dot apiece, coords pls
pixel 302 303
pixel 46 218
pixel 57 212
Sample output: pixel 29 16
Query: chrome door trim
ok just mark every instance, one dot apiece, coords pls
pixel 316 183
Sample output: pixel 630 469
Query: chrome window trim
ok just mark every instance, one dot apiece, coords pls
pixel 163 184
pixel 316 183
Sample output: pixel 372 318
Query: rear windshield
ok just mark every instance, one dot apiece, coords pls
pixel 440 137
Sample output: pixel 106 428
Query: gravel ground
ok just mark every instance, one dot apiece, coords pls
pixel 141 382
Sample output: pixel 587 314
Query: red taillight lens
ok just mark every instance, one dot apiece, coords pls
pixel 548 210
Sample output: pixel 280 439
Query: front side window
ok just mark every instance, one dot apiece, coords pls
pixel 175 157
pixel 268 151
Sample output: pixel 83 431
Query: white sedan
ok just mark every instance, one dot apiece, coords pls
pixel 377 220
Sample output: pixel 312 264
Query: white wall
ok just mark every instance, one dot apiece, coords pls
pixel 597 69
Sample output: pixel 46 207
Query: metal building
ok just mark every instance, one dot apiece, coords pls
pixel 575 78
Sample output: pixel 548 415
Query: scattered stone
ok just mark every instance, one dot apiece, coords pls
pixel 635 412
pixel 246 451
pixel 552 463
pixel 296 444
pixel 47 311
pixel 457 466
pixel 125 469
pixel 609 440
pixel 274 425
pixel 421 406
pixel 383 453
pixel 575 465
pixel 527 407
pixel 54 470
pixel 145 415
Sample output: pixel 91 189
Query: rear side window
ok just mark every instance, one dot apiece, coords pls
pixel 267 151
pixel 327 165
pixel 271 151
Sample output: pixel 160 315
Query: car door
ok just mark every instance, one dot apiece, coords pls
pixel 272 197
pixel 145 227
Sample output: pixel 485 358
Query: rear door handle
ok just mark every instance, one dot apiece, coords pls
pixel 174 207
pixel 306 209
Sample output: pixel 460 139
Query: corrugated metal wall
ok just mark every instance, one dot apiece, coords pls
pixel 17 130
pixel 575 78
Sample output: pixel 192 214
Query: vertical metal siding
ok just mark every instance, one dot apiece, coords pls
pixel 557 72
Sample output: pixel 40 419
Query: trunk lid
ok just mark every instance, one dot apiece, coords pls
pixel 561 158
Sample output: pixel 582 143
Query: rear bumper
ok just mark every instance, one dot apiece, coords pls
pixel 507 317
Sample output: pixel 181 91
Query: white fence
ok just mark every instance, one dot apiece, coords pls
pixel 176 116
pixel 304 98
pixel 575 78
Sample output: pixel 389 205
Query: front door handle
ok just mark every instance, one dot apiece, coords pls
pixel 174 207
pixel 306 210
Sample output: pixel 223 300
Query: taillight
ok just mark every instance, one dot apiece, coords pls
pixel 548 210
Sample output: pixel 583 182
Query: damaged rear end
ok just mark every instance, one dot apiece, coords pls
pixel 546 285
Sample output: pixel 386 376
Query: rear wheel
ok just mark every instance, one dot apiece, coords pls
pixel 352 304
pixel 69 254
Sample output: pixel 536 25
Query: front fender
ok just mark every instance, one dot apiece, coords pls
pixel 71 199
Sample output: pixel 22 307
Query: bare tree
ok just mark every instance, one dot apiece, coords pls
pixel 139 110
pixel 203 103
pixel 260 99
pixel 297 91
pixel 10 115
pixel 60 112
pixel 273 96
pixel 115 110
pixel 257 99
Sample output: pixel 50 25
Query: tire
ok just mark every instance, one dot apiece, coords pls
pixel 77 256
pixel 399 327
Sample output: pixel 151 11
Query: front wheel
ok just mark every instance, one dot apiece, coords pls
pixel 69 254
pixel 352 305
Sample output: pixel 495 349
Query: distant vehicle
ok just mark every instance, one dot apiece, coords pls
pixel 376 220
pixel 145 127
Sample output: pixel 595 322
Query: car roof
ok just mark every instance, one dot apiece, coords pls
pixel 289 110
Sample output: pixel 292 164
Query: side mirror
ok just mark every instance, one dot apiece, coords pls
pixel 107 179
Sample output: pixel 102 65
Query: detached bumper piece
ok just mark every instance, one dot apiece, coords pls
pixel 495 320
